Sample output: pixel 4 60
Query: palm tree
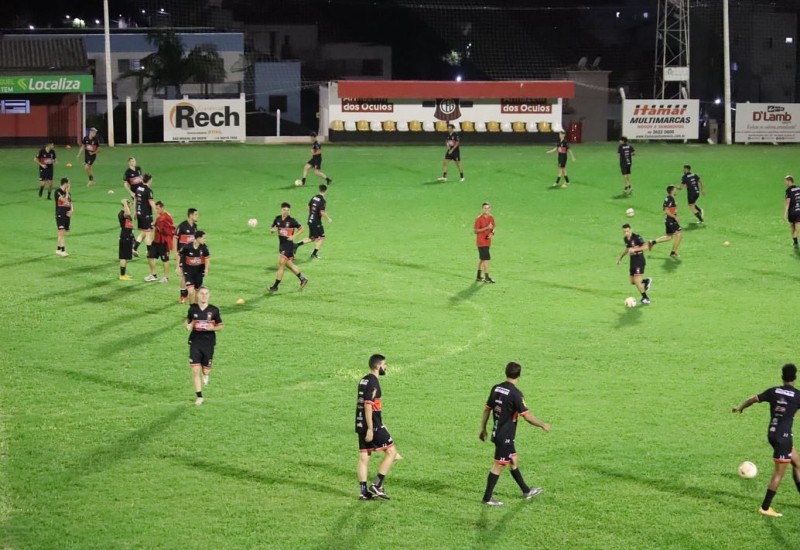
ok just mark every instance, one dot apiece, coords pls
pixel 206 65
pixel 167 66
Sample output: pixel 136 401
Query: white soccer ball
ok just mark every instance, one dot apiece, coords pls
pixel 748 470
pixel 630 212
pixel 252 222
pixel 630 301
pixel 298 183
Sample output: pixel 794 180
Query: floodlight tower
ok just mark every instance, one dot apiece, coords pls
pixel 672 50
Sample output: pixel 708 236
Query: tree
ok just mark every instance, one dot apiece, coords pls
pixel 206 65
pixel 167 66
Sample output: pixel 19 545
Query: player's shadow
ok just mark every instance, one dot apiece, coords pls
pixel 435 182
pixel 620 196
pixel 489 528
pixel 127 341
pixel 466 294
pixel 121 385
pixel 33 260
pixel 694 226
pixel 631 316
pixel 670 264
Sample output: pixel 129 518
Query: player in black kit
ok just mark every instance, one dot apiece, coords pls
pixel 204 320
pixel 194 260
pixel 125 239
pixel 635 246
pixel 562 147
pixel 671 222
pixel 625 153
pixel 46 159
pixel 506 403
pixel 63 215
pixel 184 236
pixel 316 211
pixel 453 152
pixel 315 161
pixel 791 207
pixel 694 188
pixel 288 228
pixel 91 146
pixel 372 433
pixel 784 401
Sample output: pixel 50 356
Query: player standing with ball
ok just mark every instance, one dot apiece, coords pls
pixel 784 400
pixel 635 246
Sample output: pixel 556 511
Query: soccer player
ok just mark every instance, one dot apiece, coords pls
pixel 316 211
pixel 184 236
pixel 162 243
pixel 694 186
pixel 484 231
pixel 562 147
pixel 144 216
pixel 204 321
pixel 315 161
pixel 506 403
pixel 194 262
pixel 784 400
pixel 453 152
pixel 635 246
pixel 671 222
pixel 64 209
pixel 791 207
pixel 288 229
pixel 625 152
pixel 46 159
pixel 372 433
pixel 91 145
pixel 125 239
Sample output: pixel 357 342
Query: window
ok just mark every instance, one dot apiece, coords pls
pixel 128 65
pixel 278 102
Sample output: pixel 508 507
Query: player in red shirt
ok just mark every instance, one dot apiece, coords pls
pixel 162 243
pixel 484 230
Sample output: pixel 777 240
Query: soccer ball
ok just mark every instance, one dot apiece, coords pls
pixel 630 301
pixel 748 470
pixel 630 212
pixel 252 222
pixel 298 183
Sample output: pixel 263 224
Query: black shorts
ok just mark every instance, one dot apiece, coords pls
pixel 88 160
pixel 781 445
pixel 562 161
pixel 316 231
pixel 504 451
pixel 794 217
pixel 455 155
pixel 671 226
pixel 126 248
pixel 692 197
pixel 201 353
pixel 46 174
pixel 483 253
pixel 315 162
pixel 62 222
pixel 625 169
pixel 637 265
pixel 381 440
pixel 194 276
pixel 145 223
pixel 158 250
pixel 286 249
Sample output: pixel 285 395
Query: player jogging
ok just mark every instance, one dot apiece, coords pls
pixel 91 146
pixel 506 404
pixel 372 433
pixel 694 188
pixel 635 246
pixel 316 211
pixel 64 211
pixel 288 229
pixel 46 159
pixel 484 230
pixel 125 239
pixel 562 147
pixel 453 153
pixel 194 260
pixel 204 321
pixel 791 207
pixel 315 161
pixel 784 401
pixel 625 153
pixel 672 224
pixel 184 236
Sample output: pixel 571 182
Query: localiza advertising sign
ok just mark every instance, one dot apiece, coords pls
pixel 660 118
pixel 768 122
pixel 204 120
pixel 47 84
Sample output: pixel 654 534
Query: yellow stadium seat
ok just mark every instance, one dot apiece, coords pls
pixel 518 126
pixel 362 126
pixel 467 126
pixel 389 126
pixel 544 127
pixel 493 126
pixel 415 126
pixel 337 125
pixel 440 125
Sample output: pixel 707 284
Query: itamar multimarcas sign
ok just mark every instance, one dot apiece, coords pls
pixel 47 84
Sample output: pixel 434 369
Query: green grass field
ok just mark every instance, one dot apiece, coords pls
pixel 102 447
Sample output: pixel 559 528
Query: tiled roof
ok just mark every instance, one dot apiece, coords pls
pixel 25 54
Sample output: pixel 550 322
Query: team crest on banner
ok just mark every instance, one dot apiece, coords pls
pixel 447 109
